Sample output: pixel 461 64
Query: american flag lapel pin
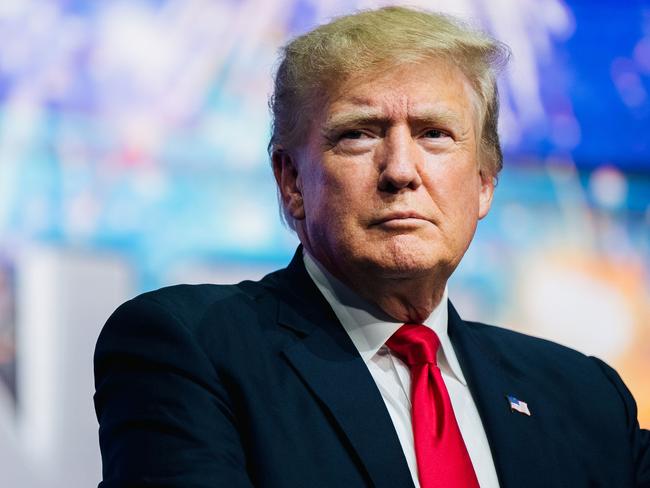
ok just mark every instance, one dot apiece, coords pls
pixel 518 405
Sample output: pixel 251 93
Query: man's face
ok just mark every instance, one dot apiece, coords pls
pixel 388 180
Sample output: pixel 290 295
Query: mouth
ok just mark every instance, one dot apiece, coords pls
pixel 401 218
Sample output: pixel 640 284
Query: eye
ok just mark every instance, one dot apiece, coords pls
pixel 353 141
pixel 352 134
pixel 435 134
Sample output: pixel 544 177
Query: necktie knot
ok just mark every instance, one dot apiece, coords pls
pixel 415 344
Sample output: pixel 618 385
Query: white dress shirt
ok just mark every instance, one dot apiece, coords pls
pixel 369 328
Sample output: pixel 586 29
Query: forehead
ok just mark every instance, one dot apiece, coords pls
pixel 418 89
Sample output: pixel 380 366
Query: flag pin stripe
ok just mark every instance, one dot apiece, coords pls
pixel 517 405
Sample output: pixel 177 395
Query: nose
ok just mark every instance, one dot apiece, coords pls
pixel 399 165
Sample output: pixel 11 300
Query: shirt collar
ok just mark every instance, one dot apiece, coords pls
pixel 369 327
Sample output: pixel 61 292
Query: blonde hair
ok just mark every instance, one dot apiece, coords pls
pixel 314 64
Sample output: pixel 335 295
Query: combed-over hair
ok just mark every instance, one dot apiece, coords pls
pixel 314 64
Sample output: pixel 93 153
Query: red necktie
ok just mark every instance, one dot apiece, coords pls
pixel 439 447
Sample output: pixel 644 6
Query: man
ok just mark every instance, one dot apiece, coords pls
pixel 349 368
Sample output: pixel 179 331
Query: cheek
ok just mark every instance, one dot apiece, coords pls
pixel 456 188
pixel 329 205
pixel 349 189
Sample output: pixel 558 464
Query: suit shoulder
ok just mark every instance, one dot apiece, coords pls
pixel 189 300
pixel 516 347
pixel 542 358
pixel 501 334
pixel 182 305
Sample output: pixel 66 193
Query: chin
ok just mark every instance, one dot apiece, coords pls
pixel 408 256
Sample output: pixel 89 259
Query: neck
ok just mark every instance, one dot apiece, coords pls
pixel 407 299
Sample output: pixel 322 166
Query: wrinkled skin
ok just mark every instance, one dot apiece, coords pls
pixel 386 192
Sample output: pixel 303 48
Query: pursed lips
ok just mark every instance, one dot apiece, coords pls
pixel 396 216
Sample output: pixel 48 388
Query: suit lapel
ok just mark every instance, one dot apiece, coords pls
pixel 522 452
pixel 327 361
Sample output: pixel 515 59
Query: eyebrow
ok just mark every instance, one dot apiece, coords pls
pixel 357 116
pixel 369 116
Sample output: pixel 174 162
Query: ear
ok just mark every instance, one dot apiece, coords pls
pixel 288 180
pixel 486 192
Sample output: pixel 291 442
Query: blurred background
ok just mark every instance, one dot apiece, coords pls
pixel 133 155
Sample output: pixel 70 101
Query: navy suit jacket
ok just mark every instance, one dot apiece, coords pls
pixel 257 384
